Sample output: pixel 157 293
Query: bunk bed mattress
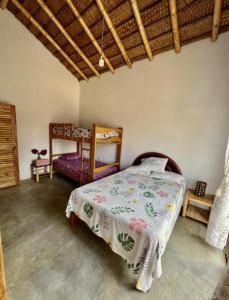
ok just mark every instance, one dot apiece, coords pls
pixel 135 214
pixel 71 168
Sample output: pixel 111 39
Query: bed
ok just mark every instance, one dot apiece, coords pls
pixel 72 168
pixel 87 142
pixel 134 212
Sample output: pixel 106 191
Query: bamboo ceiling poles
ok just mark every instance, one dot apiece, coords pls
pixel 114 32
pixel 89 33
pixel 3 4
pixel 67 36
pixel 175 27
pixel 141 27
pixel 216 19
pixel 49 38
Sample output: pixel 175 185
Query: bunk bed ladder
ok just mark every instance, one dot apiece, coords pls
pixel 81 161
pixel 118 150
pixel 92 153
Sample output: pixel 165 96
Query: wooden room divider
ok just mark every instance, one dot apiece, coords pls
pixel 9 171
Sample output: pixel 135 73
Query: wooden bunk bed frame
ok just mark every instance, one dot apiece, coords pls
pixel 65 131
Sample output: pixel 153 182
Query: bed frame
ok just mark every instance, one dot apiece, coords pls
pixel 170 166
pixel 65 131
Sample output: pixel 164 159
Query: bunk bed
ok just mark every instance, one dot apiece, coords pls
pixel 76 165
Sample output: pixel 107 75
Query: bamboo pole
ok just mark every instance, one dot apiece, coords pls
pixel 141 28
pixel 89 33
pixel 216 19
pixel 4 4
pixel 67 36
pixel 113 31
pixel 48 37
pixel 175 27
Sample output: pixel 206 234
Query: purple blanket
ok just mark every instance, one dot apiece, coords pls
pixel 71 169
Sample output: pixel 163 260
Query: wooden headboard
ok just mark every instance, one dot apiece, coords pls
pixel 171 164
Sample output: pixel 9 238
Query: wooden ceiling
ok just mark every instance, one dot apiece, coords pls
pixel 133 29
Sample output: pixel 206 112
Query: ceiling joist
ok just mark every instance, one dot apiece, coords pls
pixel 3 4
pixel 67 36
pixel 89 33
pixel 160 22
pixel 175 27
pixel 114 32
pixel 216 19
pixel 47 36
pixel 141 27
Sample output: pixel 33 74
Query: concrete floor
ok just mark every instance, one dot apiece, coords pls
pixel 47 259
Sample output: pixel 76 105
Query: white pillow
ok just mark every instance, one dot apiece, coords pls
pixel 154 164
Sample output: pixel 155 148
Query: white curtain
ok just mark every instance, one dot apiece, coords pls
pixel 218 226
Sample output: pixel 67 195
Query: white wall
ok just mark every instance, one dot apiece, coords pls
pixel 41 88
pixel 177 105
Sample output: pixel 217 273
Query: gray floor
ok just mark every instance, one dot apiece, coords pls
pixel 47 259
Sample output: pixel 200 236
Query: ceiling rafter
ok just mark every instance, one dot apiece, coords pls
pixel 89 33
pixel 114 32
pixel 64 32
pixel 45 26
pixel 175 26
pixel 128 23
pixel 141 28
pixel 188 29
pixel 4 4
pixel 153 32
pixel 216 19
pixel 58 35
pixel 44 33
pixel 155 16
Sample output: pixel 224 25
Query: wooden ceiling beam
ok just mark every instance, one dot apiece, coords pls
pixel 89 33
pixel 67 36
pixel 216 19
pixel 3 4
pixel 114 32
pixel 175 26
pixel 141 28
pixel 48 37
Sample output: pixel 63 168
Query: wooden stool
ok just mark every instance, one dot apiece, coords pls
pixel 195 212
pixel 41 169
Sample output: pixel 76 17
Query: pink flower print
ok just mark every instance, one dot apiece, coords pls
pixel 131 181
pixel 100 199
pixel 162 194
pixel 138 225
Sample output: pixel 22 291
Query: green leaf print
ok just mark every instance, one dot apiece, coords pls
pixel 148 195
pixel 95 228
pixel 150 210
pixel 126 240
pixel 87 191
pixel 105 220
pixel 88 210
pixel 114 191
pixel 121 209
pixel 134 268
pixel 118 181
pixel 142 186
pixel 157 250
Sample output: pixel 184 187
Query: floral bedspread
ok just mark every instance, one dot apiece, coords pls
pixel 134 214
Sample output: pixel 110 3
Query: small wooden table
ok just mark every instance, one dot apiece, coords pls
pixel 41 170
pixel 195 212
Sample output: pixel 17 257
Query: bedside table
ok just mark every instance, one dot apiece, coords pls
pixel 41 168
pixel 195 212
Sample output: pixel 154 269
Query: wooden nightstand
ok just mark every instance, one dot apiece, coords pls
pixel 195 212
pixel 41 169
